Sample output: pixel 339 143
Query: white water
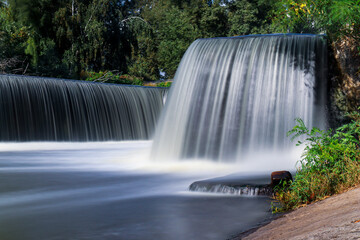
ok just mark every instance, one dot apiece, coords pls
pixel 234 99
pixel 130 156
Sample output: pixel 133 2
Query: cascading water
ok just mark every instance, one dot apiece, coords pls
pixel 236 96
pixel 229 96
pixel 45 109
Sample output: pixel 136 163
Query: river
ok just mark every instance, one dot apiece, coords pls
pixel 106 190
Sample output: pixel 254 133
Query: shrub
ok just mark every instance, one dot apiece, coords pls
pixel 330 164
pixel 164 84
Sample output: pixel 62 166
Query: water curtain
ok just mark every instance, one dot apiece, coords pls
pixel 45 109
pixel 234 96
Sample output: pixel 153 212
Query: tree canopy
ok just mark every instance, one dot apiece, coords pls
pixel 147 38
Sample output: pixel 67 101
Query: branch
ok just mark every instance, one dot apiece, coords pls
pixel 134 17
pixel 104 78
pixel 9 63
pixel 92 13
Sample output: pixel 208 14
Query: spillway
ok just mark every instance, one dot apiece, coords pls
pixel 236 96
pixel 45 109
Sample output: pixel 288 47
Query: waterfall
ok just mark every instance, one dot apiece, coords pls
pixel 236 96
pixel 45 109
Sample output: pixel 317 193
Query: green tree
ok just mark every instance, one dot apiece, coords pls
pixel 69 38
pixel 76 35
pixel 13 38
pixel 144 61
pixel 36 17
pixel 79 34
pixel 214 20
pixel 334 17
pixel 249 17
pixel 173 33
pixel 95 35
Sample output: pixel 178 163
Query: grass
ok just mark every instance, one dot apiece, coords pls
pixel 329 165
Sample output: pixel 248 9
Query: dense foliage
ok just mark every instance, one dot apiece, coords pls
pixel 338 19
pixel 330 163
pixel 144 39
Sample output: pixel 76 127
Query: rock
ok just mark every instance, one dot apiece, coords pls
pixel 343 80
pixel 235 184
pixel 231 188
pixel 277 177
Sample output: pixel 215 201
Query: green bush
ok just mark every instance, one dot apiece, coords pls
pixel 330 164
pixel 164 84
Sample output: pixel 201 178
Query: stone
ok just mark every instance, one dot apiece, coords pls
pixel 278 176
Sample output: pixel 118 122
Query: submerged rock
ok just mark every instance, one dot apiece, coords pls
pixel 241 185
pixel 232 189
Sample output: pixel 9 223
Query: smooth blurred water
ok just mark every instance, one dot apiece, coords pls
pixel 51 109
pixel 232 102
pixel 233 97
pixel 108 190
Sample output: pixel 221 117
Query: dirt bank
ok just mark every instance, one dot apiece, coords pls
pixel 337 217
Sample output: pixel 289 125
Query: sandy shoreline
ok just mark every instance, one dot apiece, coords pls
pixel 336 217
